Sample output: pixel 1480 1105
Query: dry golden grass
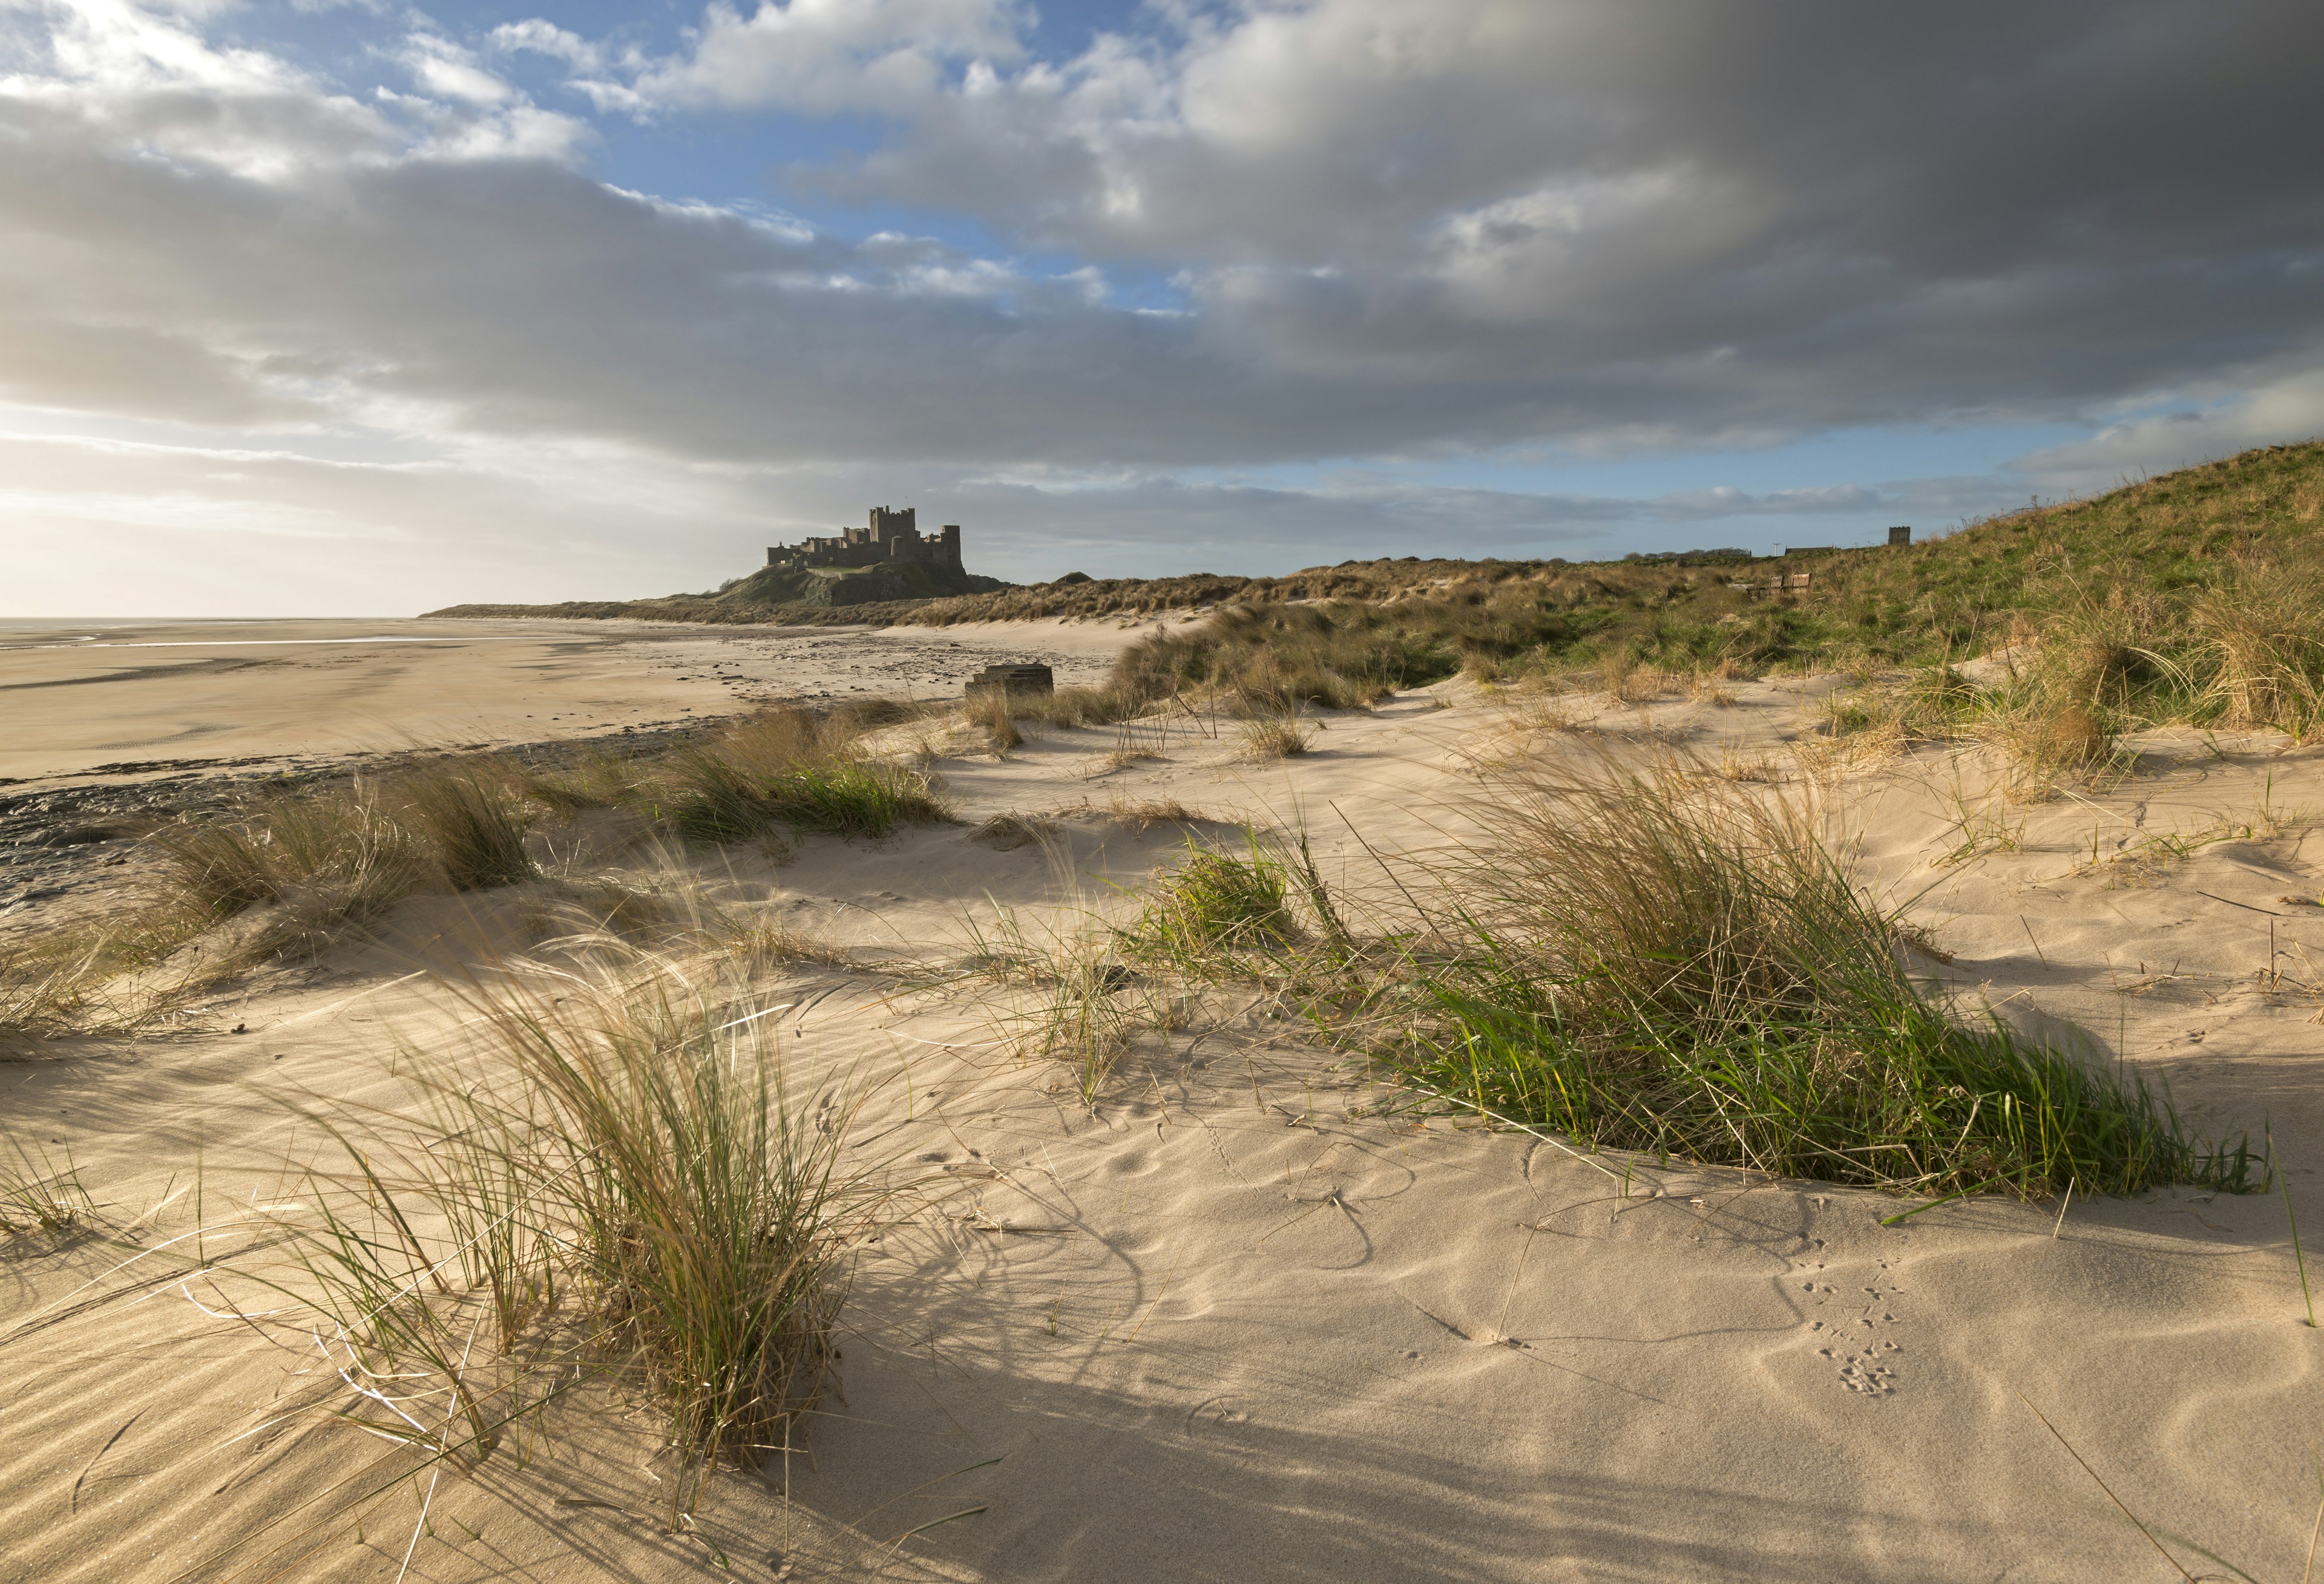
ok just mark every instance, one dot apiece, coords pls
pixel 1269 737
pixel 308 867
pixel 1122 759
pixel 1626 679
pixel 1143 814
pixel 995 711
pixel 43 992
pixel 1009 831
pixel 319 863
pixel 2263 635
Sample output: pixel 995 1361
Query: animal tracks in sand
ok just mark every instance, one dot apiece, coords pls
pixel 1853 1323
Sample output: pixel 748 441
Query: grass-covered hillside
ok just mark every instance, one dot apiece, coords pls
pixel 2135 564
pixel 2146 553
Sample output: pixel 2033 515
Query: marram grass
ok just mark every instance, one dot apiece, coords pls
pixel 1657 962
pixel 786 770
pixel 1216 902
pixel 617 1181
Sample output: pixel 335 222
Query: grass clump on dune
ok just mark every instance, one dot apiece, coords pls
pixel 786 768
pixel 37 1194
pixel 705 1207
pixel 2264 638
pixel 1284 736
pixel 615 1182
pixel 1004 712
pixel 472 821
pixel 326 859
pixel 333 858
pixel 42 992
pixel 1071 707
pixel 1214 903
pixel 2245 653
pixel 1653 962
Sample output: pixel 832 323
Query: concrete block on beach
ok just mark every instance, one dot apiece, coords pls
pixel 1012 679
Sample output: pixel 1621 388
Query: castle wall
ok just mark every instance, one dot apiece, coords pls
pixel 887 535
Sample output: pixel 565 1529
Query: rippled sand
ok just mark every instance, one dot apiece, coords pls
pixel 1236 1323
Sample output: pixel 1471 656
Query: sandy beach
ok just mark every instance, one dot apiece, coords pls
pixel 1240 1316
pixel 89 698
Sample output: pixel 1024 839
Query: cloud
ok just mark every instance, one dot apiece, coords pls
pixel 545 38
pixel 1389 233
pixel 1397 230
pixel 445 69
pixel 829 56
pixel 2278 409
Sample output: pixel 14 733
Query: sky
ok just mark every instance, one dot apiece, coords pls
pixel 360 309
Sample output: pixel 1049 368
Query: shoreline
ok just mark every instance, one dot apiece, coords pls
pixel 191 695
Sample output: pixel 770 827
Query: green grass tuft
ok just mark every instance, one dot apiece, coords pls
pixel 1655 962
pixel 843 797
pixel 472 821
pixel 786 769
pixel 1216 903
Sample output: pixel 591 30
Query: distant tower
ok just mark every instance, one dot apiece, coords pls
pixel 1900 536
pixel 885 523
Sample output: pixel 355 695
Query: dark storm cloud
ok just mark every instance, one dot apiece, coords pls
pixel 1684 222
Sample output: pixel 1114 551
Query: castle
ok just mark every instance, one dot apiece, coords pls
pixel 892 536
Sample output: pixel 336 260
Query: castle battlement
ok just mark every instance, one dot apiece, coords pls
pixel 887 535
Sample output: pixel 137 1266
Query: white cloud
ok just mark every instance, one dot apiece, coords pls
pixel 545 38
pixel 450 71
pixel 829 56
pixel 2279 408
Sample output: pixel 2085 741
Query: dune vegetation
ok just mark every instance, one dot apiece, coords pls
pixel 1657 960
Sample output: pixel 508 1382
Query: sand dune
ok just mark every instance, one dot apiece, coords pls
pixel 1240 1318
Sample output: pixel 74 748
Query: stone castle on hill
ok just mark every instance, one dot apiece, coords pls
pixel 892 536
